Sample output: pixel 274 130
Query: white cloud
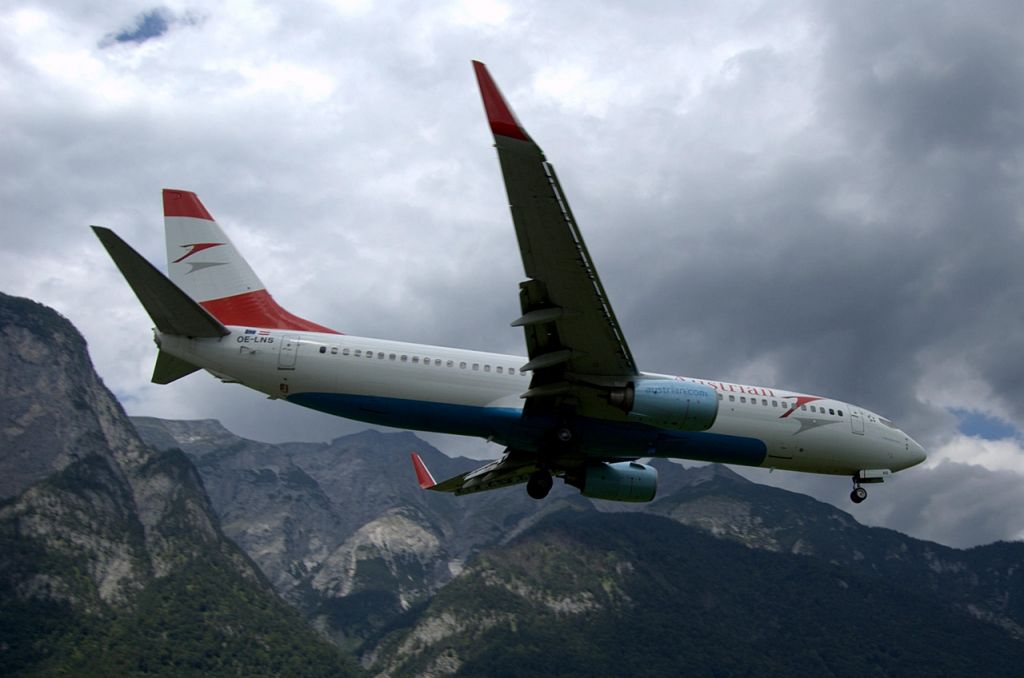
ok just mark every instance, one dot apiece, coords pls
pixel 487 13
pixel 1006 454
pixel 821 196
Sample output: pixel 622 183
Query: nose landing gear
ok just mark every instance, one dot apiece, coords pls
pixel 859 494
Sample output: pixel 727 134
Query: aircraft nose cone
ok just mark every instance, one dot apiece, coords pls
pixel 915 453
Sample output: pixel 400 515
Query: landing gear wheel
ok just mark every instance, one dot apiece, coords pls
pixel 858 495
pixel 539 484
pixel 564 434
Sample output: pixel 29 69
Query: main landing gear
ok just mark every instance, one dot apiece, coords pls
pixel 541 481
pixel 539 484
pixel 858 494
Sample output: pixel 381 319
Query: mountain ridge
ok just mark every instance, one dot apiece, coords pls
pixel 104 540
pixel 982 584
pixel 156 546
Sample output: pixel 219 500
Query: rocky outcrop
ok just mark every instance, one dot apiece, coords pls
pixel 100 531
pixel 81 484
pixel 342 529
pixel 586 594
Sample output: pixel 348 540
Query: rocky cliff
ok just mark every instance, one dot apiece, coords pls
pixel 341 529
pixel 115 558
pixel 111 555
pixel 426 584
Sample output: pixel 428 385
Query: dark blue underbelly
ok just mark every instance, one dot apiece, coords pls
pixel 507 426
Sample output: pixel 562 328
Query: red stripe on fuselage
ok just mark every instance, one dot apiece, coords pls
pixel 184 204
pixel 258 309
pixel 800 401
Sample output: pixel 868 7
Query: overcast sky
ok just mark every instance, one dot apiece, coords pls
pixel 824 197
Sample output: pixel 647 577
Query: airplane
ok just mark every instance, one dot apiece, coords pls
pixel 577 407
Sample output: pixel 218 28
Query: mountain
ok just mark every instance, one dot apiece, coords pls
pixel 341 529
pixel 985 582
pixel 583 594
pixel 158 548
pixel 422 583
pixel 112 559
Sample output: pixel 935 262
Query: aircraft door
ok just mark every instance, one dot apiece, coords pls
pixel 856 422
pixel 288 353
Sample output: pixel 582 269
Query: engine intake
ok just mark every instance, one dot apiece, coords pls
pixel 668 403
pixel 621 481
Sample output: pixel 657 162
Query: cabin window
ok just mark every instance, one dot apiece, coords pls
pixel 334 350
pixel 323 349
pixel 764 401
pixel 392 356
pixel 450 363
pixel 775 403
pixel 732 399
pixel 803 407
pixel 743 399
pixel 476 367
pixel 369 354
pixel 813 409
pixel 721 397
pixel 487 368
pixel 416 359
pixel 462 365
pixel 344 351
pixel 405 358
pixel 358 353
pixel 498 369
pixel 840 413
pixel 831 411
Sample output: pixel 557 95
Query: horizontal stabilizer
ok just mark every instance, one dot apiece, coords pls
pixel 173 311
pixel 513 468
pixel 168 368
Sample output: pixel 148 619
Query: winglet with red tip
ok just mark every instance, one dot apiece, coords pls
pixel 426 480
pixel 503 121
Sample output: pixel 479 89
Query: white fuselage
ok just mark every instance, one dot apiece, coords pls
pixel 465 392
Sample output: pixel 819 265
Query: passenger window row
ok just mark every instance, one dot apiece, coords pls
pixel 419 360
pixel 764 402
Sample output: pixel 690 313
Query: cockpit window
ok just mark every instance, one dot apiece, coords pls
pixel 887 422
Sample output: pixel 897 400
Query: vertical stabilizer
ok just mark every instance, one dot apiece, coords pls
pixel 203 262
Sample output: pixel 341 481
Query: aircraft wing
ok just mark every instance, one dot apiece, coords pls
pixel 572 335
pixel 513 468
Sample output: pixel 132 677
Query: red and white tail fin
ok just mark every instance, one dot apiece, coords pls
pixel 203 262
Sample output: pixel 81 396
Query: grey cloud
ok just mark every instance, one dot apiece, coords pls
pixel 822 197
pixel 955 504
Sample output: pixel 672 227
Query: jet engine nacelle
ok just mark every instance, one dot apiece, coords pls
pixel 622 481
pixel 668 403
